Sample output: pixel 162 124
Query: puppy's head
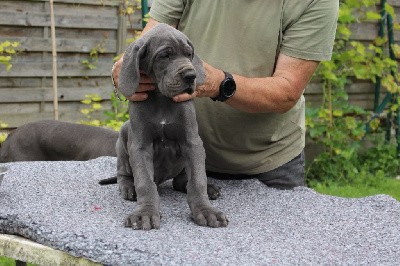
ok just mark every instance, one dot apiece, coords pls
pixel 166 55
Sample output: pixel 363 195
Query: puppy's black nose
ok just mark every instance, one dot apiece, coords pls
pixel 189 76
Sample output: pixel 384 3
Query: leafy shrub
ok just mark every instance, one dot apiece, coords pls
pixel 113 118
pixel 3 136
pixel 341 126
pixel 7 50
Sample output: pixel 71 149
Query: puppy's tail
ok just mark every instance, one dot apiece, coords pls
pixel 5 149
pixel 108 181
pixel 2 152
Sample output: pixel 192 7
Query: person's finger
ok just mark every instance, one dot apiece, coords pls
pixel 145 84
pixel 138 97
pixel 145 79
pixel 143 87
pixel 184 97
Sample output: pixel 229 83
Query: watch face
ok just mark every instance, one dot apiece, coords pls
pixel 229 87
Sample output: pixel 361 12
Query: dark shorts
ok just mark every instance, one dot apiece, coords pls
pixel 287 176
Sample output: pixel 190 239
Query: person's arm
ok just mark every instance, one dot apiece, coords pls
pixel 277 94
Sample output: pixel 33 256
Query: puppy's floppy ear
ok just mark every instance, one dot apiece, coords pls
pixel 200 71
pixel 130 74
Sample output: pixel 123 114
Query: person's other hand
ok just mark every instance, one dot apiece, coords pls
pixel 145 83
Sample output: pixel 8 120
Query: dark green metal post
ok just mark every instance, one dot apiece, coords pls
pixel 145 11
pixel 392 119
pixel 398 132
pixel 396 120
pixel 378 84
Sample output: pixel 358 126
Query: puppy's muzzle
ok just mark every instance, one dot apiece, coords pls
pixel 188 77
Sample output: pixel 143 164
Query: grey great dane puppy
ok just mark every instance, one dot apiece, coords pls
pixel 50 140
pixel 162 141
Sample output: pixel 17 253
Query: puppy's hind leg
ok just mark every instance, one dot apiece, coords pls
pixel 126 187
pixel 180 181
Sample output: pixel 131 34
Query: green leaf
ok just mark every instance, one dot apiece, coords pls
pixel 85 111
pixel 394 107
pixel 373 15
pixel 6 43
pixel 93 52
pixel 374 124
pixel 10 51
pixel 86 101
pixel 96 106
pixel 390 10
pixel 381 41
pixel 338 113
pixel 346 14
pixel 360 72
pixel 343 31
pixel 396 50
pixel 129 10
pixel 5 59
pixel 350 122
pixel 96 98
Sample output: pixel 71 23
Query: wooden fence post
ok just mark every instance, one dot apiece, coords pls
pixel 54 53
pixel 121 32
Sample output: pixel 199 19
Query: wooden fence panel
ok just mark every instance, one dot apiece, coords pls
pixel 26 92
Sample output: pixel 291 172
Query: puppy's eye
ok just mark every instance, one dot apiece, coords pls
pixel 164 55
pixel 190 55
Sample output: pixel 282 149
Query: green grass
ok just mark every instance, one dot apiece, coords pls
pixel 10 262
pixel 6 261
pixel 386 186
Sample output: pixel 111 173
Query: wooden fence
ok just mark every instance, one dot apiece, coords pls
pixel 26 92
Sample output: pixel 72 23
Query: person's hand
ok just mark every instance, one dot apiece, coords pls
pixel 145 83
pixel 210 88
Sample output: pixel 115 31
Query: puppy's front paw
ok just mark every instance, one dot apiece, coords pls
pixel 209 216
pixel 126 188
pixel 145 218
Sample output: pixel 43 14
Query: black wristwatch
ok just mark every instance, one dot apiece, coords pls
pixel 227 88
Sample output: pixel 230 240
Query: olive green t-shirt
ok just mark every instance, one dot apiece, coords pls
pixel 245 37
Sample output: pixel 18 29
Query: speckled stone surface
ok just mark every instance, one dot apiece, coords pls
pixel 60 204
